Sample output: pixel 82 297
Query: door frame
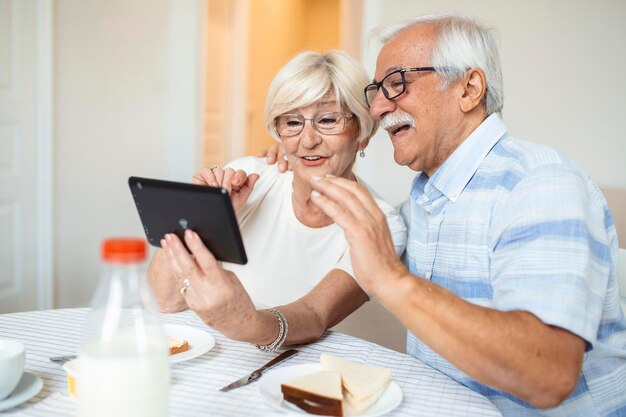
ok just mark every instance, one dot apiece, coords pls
pixel 44 153
pixel 187 26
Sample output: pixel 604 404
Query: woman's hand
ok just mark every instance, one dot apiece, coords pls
pixel 273 154
pixel 238 184
pixel 214 293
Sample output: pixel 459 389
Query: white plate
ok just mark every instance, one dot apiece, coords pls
pixel 269 388
pixel 200 342
pixel 28 387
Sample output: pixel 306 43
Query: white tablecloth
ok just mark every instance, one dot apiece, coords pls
pixel 196 382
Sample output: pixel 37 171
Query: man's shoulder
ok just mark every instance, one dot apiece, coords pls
pixel 526 156
pixel 511 160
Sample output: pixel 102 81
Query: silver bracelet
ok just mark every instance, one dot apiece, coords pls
pixel 283 328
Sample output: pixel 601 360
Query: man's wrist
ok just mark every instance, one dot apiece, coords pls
pixel 389 281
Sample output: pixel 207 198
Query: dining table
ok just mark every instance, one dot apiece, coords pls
pixel 195 383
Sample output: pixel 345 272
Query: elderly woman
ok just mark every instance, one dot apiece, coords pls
pixel 299 280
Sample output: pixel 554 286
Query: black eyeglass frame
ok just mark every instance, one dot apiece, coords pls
pixel 402 71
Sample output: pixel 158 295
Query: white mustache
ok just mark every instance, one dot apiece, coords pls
pixel 397 118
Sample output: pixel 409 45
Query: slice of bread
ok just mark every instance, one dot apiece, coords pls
pixel 317 393
pixel 363 384
pixel 177 345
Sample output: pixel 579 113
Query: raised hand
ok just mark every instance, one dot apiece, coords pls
pixel 238 184
pixel 273 154
pixel 354 209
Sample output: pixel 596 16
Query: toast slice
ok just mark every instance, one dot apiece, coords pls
pixel 317 393
pixel 363 384
pixel 177 345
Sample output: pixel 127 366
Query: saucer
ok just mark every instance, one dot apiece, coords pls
pixel 29 386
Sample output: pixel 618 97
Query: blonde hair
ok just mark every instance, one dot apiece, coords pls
pixel 308 77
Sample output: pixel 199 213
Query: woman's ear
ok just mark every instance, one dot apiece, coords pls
pixel 363 144
pixel 474 89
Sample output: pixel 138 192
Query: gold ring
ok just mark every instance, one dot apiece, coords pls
pixel 212 168
pixel 186 284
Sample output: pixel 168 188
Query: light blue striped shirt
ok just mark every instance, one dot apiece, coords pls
pixel 513 225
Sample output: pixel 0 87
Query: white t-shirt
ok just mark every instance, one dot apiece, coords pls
pixel 286 259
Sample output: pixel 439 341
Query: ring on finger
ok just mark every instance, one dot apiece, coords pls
pixel 185 284
pixel 285 157
pixel 212 168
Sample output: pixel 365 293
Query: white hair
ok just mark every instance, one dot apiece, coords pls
pixel 461 43
pixel 308 77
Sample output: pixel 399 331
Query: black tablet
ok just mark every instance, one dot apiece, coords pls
pixel 171 207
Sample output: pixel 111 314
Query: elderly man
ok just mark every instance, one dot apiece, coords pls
pixel 509 282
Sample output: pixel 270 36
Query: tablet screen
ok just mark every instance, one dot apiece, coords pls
pixel 171 207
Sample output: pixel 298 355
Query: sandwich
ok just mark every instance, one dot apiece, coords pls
pixel 362 384
pixel 177 345
pixel 317 393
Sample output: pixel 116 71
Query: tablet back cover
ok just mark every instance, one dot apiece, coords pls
pixel 171 207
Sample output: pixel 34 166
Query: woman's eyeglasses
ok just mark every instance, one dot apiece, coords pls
pixel 325 123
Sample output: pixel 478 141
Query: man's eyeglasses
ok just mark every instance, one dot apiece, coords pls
pixel 394 83
pixel 325 123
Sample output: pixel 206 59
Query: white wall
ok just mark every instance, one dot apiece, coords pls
pixel 563 64
pixel 120 85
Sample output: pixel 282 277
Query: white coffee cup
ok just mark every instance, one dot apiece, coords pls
pixel 11 366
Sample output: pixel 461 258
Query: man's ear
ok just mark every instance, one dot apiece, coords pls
pixel 474 86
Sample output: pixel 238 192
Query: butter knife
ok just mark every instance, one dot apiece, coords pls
pixel 256 374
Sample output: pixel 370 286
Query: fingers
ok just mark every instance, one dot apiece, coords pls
pixel 218 173
pixel 217 176
pixel 251 180
pixel 227 176
pixel 340 215
pixel 195 268
pixel 181 263
pixel 203 257
pixel 283 163
pixel 344 198
pixel 353 188
pixel 204 176
pixel 246 189
pixel 239 179
pixel 270 154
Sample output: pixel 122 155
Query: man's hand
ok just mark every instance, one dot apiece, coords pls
pixel 353 208
pixel 533 361
pixel 238 184
pixel 273 154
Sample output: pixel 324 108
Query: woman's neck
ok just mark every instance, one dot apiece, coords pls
pixel 305 210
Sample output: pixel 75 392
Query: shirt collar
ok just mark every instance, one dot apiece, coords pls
pixel 452 177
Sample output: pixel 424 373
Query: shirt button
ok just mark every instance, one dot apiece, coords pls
pixel 428 274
